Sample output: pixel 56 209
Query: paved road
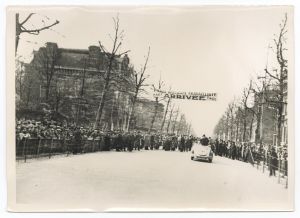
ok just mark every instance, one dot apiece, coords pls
pixel 108 180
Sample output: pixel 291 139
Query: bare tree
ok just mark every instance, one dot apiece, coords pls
pixel 244 110
pixel 275 97
pixel 20 72
pixel 166 111
pixel 157 100
pixel 139 84
pixel 20 28
pixel 170 117
pixel 188 131
pixel 80 98
pixel 221 127
pixel 45 62
pixel 230 118
pixel 175 120
pixel 110 68
pixel 257 110
pixel 181 124
pixel 58 101
pixel 234 121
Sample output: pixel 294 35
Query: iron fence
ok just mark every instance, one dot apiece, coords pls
pixel 41 147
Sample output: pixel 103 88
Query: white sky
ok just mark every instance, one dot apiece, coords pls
pixel 202 49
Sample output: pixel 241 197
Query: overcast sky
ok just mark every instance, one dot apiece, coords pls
pixel 201 49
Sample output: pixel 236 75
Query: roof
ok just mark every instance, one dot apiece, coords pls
pixel 72 57
pixel 77 58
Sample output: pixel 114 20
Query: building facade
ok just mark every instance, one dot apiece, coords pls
pixel 68 84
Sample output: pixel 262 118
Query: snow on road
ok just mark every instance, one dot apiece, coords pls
pixel 145 179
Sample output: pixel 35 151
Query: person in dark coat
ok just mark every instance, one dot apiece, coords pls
pixel 130 142
pixel 147 142
pixel 106 142
pixel 77 141
pixel 156 141
pixel 137 141
pixel 204 140
pixel 173 143
pixel 182 144
pixel 233 151
pixel 273 161
pixel 119 142
pixel 152 141
pixel 167 144
pixel 189 143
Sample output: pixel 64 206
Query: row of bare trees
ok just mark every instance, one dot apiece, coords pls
pixel 265 98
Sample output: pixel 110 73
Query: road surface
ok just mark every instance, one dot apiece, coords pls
pixel 145 179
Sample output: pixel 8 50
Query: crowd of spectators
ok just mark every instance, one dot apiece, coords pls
pixel 110 140
pixel 275 160
pixel 136 140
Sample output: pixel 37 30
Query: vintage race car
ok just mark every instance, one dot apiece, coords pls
pixel 202 152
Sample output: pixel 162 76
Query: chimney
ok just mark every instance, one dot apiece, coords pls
pixel 94 51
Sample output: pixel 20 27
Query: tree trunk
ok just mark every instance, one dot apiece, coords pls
pixel 101 105
pixel 28 95
pixel 257 130
pixel 279 122
pixel 164 119
pixel 154 115
pixel 47 91
pixel 104 93
pixel 244 128
pixel 237 130
pixel 131 112
pixel 231 129
pixel 227 127
pixel 18 32
pixel 251 127
pixel 169 121
pixel 280 105
pixel 175 120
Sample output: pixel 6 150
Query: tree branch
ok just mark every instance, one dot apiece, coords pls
pixel 271 75
pixel 26 19
pixel 40 29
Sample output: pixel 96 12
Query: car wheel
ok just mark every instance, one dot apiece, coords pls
pixel 192 158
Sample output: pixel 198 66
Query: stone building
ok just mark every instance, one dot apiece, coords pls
pixel 269 121
pixel 69 83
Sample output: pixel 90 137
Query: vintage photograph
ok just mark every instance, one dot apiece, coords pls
pixel 150 108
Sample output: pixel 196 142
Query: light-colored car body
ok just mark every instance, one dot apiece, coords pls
pixel 202 152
